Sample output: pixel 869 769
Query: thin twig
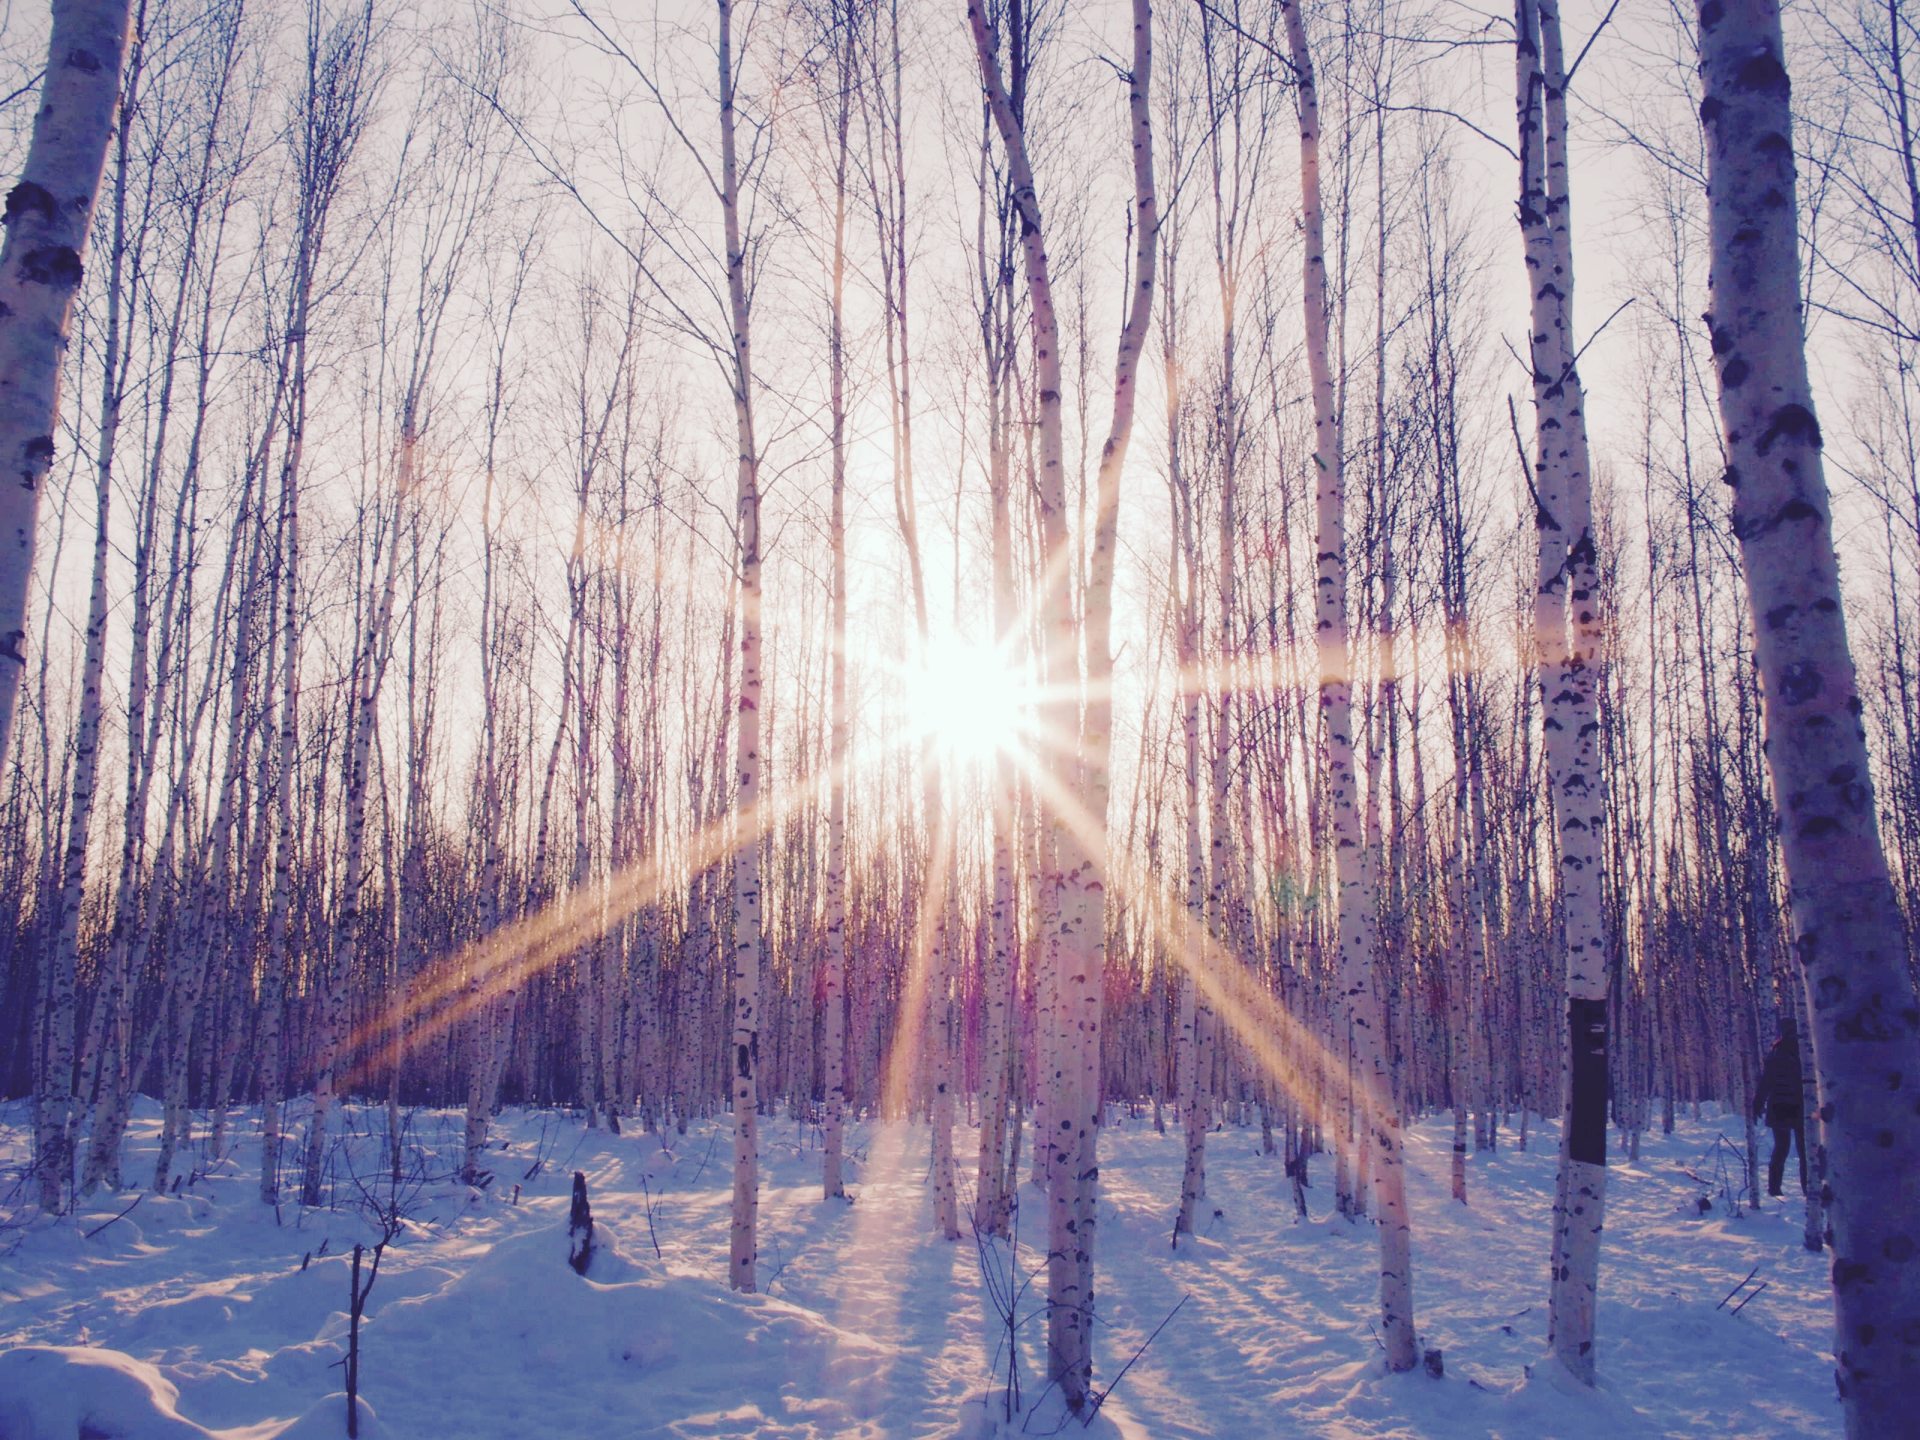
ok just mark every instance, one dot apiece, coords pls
pixel 704 1158
pixel 121 1216
pixel 34 80
pixel 1566 84
pixel 1526 466
pixel 644 1190
pixel 1747 1299
pixel 1455 116
pixel 1101 1398
pixel 1598 332
pixel 1736 1289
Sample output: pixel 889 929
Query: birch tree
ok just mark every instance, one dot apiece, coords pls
pixel 49 213
pixel 1077 946
pixel 999 344
pixel 1846 923
pixel 1567 635
pixel 747 934
pixel 1357 904
pixel 836 79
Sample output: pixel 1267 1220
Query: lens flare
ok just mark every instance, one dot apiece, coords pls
pixel 969 700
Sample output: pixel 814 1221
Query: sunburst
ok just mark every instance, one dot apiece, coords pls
pixel 972 701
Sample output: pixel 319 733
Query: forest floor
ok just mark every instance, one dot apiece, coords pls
pixel 205 1312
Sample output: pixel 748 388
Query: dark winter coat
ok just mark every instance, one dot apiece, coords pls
pixel 1779 1091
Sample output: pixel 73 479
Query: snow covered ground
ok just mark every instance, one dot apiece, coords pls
pixel 203 1312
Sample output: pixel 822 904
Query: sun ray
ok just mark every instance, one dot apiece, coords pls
pixel 909 1024
pixel 965 704
pixel 1254 1014
pixel 461 981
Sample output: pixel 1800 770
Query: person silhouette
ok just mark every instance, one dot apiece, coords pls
pixel 1779 1096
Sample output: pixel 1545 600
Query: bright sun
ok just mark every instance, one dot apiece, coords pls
pixel 968 699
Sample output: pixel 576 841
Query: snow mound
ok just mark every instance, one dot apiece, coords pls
pixel 630 1338
pixel 327 1420
pixel 72 1392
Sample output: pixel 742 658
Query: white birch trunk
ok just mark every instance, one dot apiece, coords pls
pixel 937 958
pixel 369 671
pixel 834 958
pixel 48 214
pixel 1195 1059
pixel 1076 944
pixel 744 1046
pixel 1567 637
pixel 286 841
pixel 54 1094
pixel 1846 922
pixel 152 681
pixel 997 1180
pixel 1379 1118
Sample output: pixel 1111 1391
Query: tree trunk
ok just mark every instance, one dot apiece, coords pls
pixel 40 280
pixel 744 1050
pixel 833 986
pixel 1568 649
pixel 48 215
pixel 1077 875
pixel 1380 1119
pixel 1846 922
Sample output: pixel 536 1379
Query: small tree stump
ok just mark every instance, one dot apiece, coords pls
pixel 580 1227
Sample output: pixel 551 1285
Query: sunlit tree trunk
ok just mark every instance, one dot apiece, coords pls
pixel 286 840
pixel 744 1047
pixel 333 113
pixel 1096 742
pixel 1380 1120
pixel 35 280
pixel 1077 944
pixel 1193 1056
pixel 49 212
pixel 996 1179
pixel 1196 1017
pixel 834 940
pixel 202 936
pixel 1060 847
pixel 929 982
pixel 1846 923
pixel 1567 638
pixel 375 648
pixel 153 679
